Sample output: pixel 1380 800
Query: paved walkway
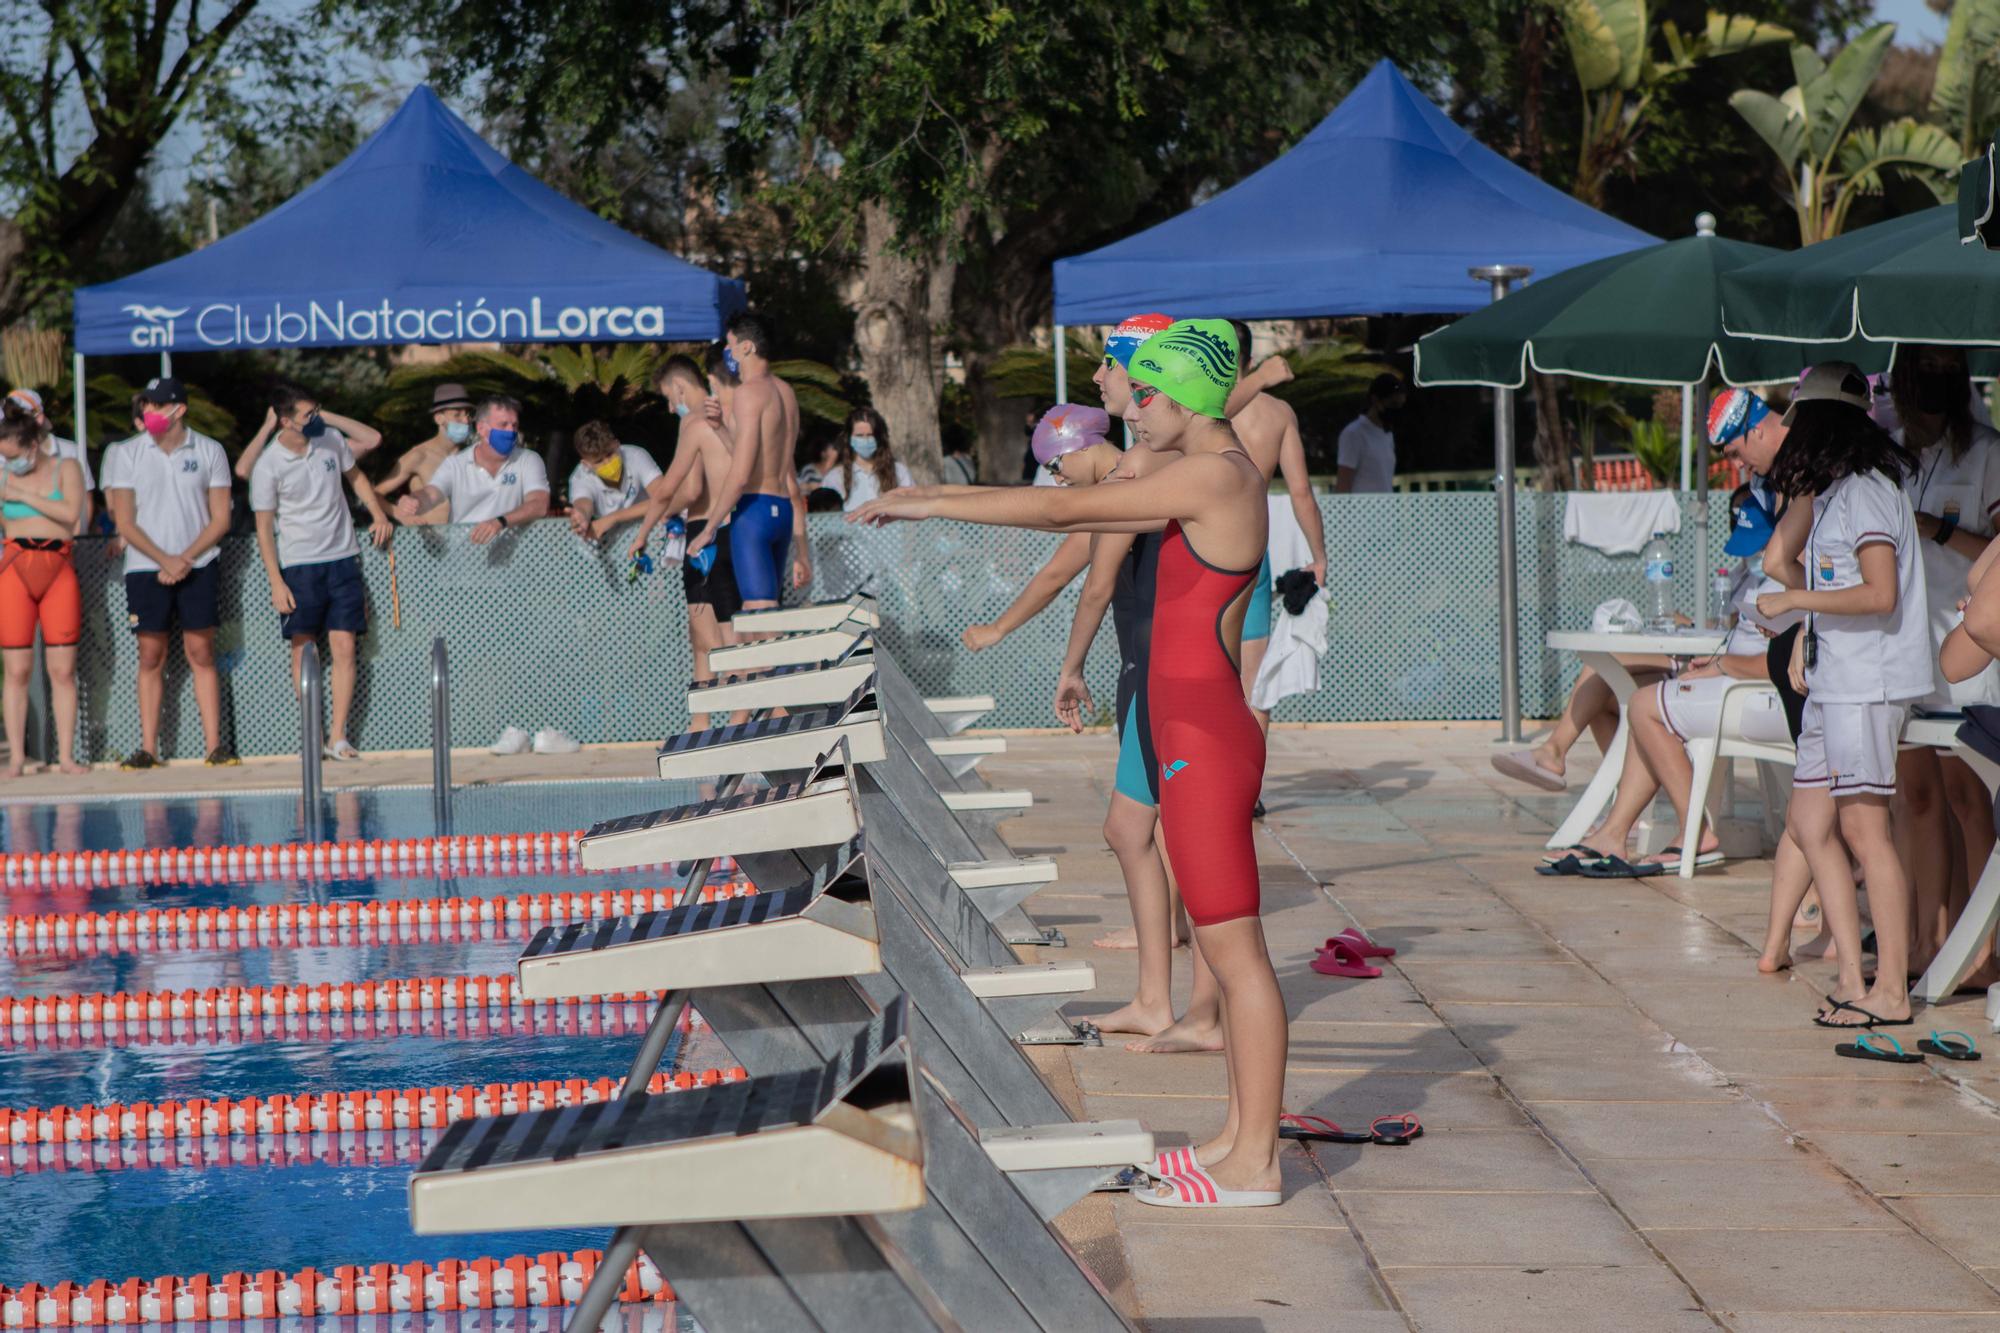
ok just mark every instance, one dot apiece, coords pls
pixel 1628 1127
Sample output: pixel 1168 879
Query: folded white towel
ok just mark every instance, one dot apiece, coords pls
pixel 1619 522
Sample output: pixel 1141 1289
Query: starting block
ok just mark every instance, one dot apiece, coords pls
pixel 811 616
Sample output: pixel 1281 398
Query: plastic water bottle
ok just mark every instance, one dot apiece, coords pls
pixel 1718 597
pixel 1658 559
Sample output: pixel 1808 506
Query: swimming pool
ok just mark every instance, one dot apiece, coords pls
pixel 109 1208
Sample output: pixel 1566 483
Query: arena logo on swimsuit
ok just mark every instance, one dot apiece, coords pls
pixel 225 324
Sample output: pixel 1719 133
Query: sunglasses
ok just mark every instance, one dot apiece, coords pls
pixel 1143 394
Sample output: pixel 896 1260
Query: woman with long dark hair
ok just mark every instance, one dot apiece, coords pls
pixel 1209 506
pixel 868 466
pixel 1954 491
pixel 1865 654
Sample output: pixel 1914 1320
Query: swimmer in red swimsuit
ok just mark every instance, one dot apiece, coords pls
pixel 1209 504
pixel 42 495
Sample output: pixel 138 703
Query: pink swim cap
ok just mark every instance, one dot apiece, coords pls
pixel 1066 428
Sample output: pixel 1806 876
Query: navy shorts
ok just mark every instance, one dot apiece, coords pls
pixel 329 595
pixel 152 607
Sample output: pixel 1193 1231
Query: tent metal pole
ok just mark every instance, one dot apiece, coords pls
pixel 77 398
pixel 166 364
pixel 1500 277
pixel 1687 437
pixel 1062 364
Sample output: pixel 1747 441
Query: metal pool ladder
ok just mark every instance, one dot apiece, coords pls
pixel 312 691
pixel 440 737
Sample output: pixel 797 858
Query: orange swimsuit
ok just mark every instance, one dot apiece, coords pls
pixel 38 587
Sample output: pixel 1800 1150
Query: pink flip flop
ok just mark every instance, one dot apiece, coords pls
pixel 1361 944
pixel 1195 1188
pixel 1339 959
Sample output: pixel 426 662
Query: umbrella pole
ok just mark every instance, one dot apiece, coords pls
pixel 1701 566
pixel 1501 276
pixel 1062 365
pixel 1687 437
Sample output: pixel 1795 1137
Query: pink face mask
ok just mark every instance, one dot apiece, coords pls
pixel 156 423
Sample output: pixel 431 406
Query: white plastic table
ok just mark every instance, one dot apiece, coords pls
pixel 1601 652
pixel 1982 910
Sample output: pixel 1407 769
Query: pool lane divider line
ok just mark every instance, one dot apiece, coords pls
pixel 521 1282
pixel 83 1009
pixel 324 1112
pixel 583 1019
pixel 458 854
pixel 305 925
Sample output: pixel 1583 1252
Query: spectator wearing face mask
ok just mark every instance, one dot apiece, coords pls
pixel 612 484
pixel 451 410
pixel 868 466
pixel 1368 445
pixel 336 429
pixel 168 488
pixel 494 485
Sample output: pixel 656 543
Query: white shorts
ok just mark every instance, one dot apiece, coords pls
pixel 1693 709
pixel 1850 747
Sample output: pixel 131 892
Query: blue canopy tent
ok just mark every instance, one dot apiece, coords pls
pixel 424 234
pixel 1385 207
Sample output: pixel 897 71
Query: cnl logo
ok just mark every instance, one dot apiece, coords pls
pixel 153 325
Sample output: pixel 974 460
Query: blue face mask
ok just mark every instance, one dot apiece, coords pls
pixel 863 445
pixel 502 442
pixel 680 409
pixel 315 426
pixel 729 360
pixel 456 431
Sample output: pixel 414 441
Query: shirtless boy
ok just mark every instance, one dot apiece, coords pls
pixel 451 409
pixel 767 514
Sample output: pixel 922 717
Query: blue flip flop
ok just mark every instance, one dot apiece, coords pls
pixel 1878 1046
pixel 1942 1044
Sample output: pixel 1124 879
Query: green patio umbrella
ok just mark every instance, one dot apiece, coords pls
pixel 1651 316
pixel 1905 280
pixel 1978 220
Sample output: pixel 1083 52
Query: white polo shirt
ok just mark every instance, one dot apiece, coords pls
pixel 640 472
pixel 867 486
pixel 1966 488
pixel 475 495
pixel 169 492
pixel 1371 451
pixel 62 448
pixel 1875 658
pixel 306 492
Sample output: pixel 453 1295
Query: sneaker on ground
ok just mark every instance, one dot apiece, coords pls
pixel 222 757
pixel 342 749
pixel 512 740
pixel 551 741
pixel 139 759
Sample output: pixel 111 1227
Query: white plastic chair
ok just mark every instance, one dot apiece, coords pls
pixel 1704 752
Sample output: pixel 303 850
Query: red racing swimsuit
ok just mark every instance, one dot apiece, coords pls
pixel 1205 740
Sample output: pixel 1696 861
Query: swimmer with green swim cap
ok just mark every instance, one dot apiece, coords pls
pixel 1193 362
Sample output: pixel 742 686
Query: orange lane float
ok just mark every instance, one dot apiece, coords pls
pixel 304 925
pixel 325 1112
pixel 456 854
pixel 520 1282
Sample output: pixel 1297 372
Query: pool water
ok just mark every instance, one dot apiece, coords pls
pixel 248 1203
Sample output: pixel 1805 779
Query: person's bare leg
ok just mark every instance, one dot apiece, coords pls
pixel 1791 879
pixel 1972 809
pixel 1201 1028
pixel 20 667
pixel 1589 700
pixel 152 688
pixel 1812 824
pixel 1253 658
pixel 1245 1155
pixel 61 665
pixel 1129 829
pixel 1665 757
pixel 340 646
pixel 1864 826
pixel 1923 848
pixel 1636 788
pixel 199 645
pixel 703 634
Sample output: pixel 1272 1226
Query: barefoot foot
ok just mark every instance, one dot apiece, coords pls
pixel 74 769
pixel 1146 1020
pixel 1127 938
pixel 1779 960
pixel 1181 1038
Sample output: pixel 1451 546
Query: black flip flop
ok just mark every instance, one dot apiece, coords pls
pixel 1571 865
pixel 1318 1129
pixel 1396 1131
pixel 1874 1020
pixel 1617 867
pixel 1870 1046
pixel 1940 1044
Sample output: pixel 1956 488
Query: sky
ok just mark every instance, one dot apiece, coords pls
pixel 1915 23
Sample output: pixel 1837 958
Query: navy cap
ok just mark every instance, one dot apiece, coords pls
pixel 163 391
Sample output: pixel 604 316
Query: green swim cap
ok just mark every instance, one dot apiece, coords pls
pixel 1193 362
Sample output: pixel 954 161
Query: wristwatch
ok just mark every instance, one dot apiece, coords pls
pixel 1946 526
pixel 502 521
